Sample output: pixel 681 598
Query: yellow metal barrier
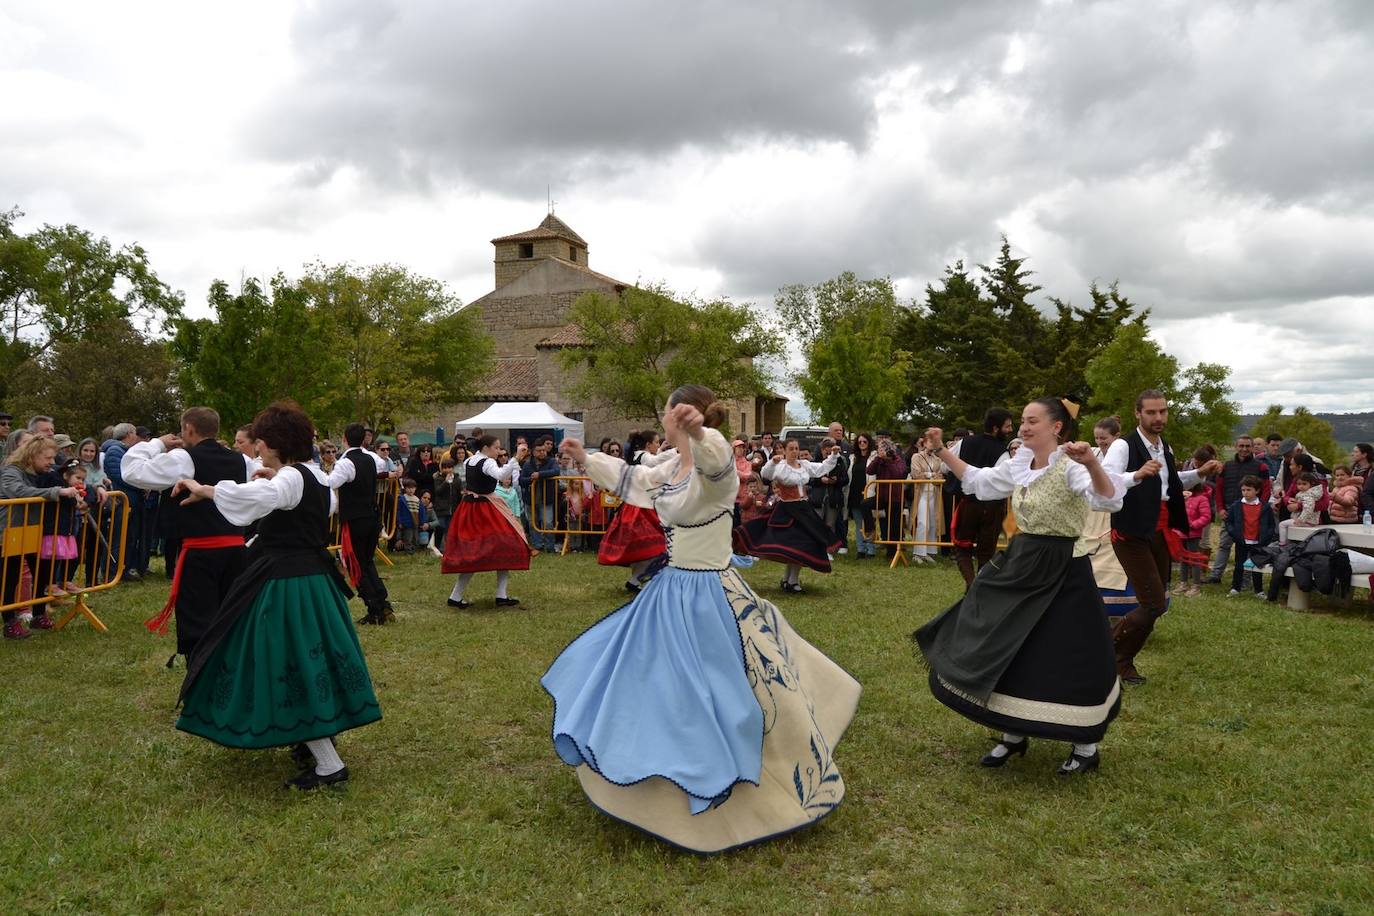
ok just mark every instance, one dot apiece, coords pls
pixel 597 508
pixel 46 541
pixel 907 492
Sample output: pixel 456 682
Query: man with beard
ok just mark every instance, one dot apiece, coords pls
pixel 1152 507
pixel 211 553
pixel 978 523
pixel 355 477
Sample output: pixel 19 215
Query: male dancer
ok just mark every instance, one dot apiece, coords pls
pixel 212 553
pixel 355 477
pixel 977 523
pixel 1153 504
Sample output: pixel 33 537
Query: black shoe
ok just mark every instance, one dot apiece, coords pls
pixel 1079 764
pixel 460 604
pixel 1013 750
pixel 309 779
pixel 632 588
pixel 371 619
pixel 507 602
pixel 131 575
pixel 785 585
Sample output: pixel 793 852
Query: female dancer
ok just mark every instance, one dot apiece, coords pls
pixel 1117 594
pixel 635 536
pixel 484 536
pixel 280 663
pixel 695 712
pixel 1027 649
pixel 792 534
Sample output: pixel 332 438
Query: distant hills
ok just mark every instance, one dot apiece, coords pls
pixel 1347 428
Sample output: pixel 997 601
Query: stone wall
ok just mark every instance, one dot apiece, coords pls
pixel 509 265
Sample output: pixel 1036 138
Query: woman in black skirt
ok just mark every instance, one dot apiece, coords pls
pixel 1027 650
pixel 792 533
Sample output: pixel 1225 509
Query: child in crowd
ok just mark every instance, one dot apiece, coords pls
pixel 1303 505
pixel 448 489
pixel 756 500
pixel 510 492
pixel 1199 506
pixel 1345 496
pixel 1251 525
pixel 424 535
pixel 408 517
pixel 57 554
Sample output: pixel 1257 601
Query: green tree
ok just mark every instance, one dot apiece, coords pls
pixel 1079 334
pixel 844 327
pixel 640 345
pixel 389 344
pixel 113 374
pixel 1131 363
pixel 249 353
pixel 1312 431
pixel 61 282
pixel 1024 347
pixel 1202 411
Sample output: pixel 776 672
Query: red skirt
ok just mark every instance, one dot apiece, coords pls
pixel 484 537
pixel 634 536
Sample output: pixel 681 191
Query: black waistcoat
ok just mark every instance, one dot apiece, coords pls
pixel 479 481
pixel 1139 515
pixel 358 497
pixel 213 463
pixel 304 527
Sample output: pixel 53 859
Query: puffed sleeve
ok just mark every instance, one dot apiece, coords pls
pixel 1081 482
pixel 632 483
pixel 713 457
pixel 995 482
pixel 245 503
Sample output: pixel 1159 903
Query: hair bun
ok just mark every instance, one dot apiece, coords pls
pixel 714 415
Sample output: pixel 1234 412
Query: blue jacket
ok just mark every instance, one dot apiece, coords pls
pixel 1235 523
pixel 546 494
pixel 114 454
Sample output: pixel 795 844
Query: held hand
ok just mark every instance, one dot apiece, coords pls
pixel 171 441
pixel 688 419
pixel 101 494
pixel 1081 452
pixel 1149 469
pixel 67 492
pixel 574 449
pixel 934 437
pixel 196 492
pixel 777 458
pixel 264 473
pixel 1210 469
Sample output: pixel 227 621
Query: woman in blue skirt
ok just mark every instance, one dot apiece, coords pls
pixel 280 664
pixel 696 712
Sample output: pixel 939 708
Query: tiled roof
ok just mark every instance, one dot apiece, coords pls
pixel 512 378
pixel 551 228
pixel 570 335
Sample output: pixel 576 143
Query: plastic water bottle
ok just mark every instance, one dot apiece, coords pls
pixel 1367 523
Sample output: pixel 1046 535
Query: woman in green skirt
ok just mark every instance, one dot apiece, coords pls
pixel 280 664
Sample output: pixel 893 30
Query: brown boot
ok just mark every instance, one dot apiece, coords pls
pixel 1128 637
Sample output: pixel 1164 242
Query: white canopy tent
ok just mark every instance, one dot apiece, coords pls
pixel 502 418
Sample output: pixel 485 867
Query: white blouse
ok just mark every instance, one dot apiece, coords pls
pixel 245 503
pixel 999 481
pixel 493 470
pixel 799 476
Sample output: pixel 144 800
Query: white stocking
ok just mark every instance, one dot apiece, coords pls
pixel 502 576
pixel 1007 738
pixel 794 573
pixel 460 586
pixel 327 760
pixel 1085 750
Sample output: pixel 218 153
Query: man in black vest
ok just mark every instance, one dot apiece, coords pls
pixel 1153 503
pixel 977 522
pixel 211 553
pixel 355 478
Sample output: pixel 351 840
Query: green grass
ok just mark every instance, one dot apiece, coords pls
pixel 1237 780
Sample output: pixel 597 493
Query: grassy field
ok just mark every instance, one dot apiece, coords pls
pixel 1237 780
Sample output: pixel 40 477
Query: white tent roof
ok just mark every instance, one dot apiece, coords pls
pixel 509 415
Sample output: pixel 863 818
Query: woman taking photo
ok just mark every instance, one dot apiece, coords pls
pixel 1027 650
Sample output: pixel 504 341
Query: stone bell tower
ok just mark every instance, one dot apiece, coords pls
pixel 552 238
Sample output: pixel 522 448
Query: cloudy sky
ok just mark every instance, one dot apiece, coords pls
pixel 1215 158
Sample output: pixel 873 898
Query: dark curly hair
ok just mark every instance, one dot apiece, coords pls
pixel 285 428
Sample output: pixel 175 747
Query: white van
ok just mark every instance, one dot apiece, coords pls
pixel 809 437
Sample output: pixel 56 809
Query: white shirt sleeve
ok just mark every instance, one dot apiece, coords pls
pixel 344 471
pixel 245 503
pixel 1118 455
pixel 505 474
pixel 149 466
pixel 1081 482
pixel 991 483
pixel 770 468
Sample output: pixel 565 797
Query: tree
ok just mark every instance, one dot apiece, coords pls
pixel 1312 431
pixel 1202 411
pixel 250 352
pixel 844 327
pixel 113 374
pixel 640 345
pixel 1131 363
pixel 1077 335
pixel 389 344
pixel 59 283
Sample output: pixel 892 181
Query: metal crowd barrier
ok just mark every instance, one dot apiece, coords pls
pixel 905 503
pixel 597 509
pixel 40 560
pixel 388 510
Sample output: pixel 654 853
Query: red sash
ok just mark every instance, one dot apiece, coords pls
pixel 350 559
pixel 158 622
